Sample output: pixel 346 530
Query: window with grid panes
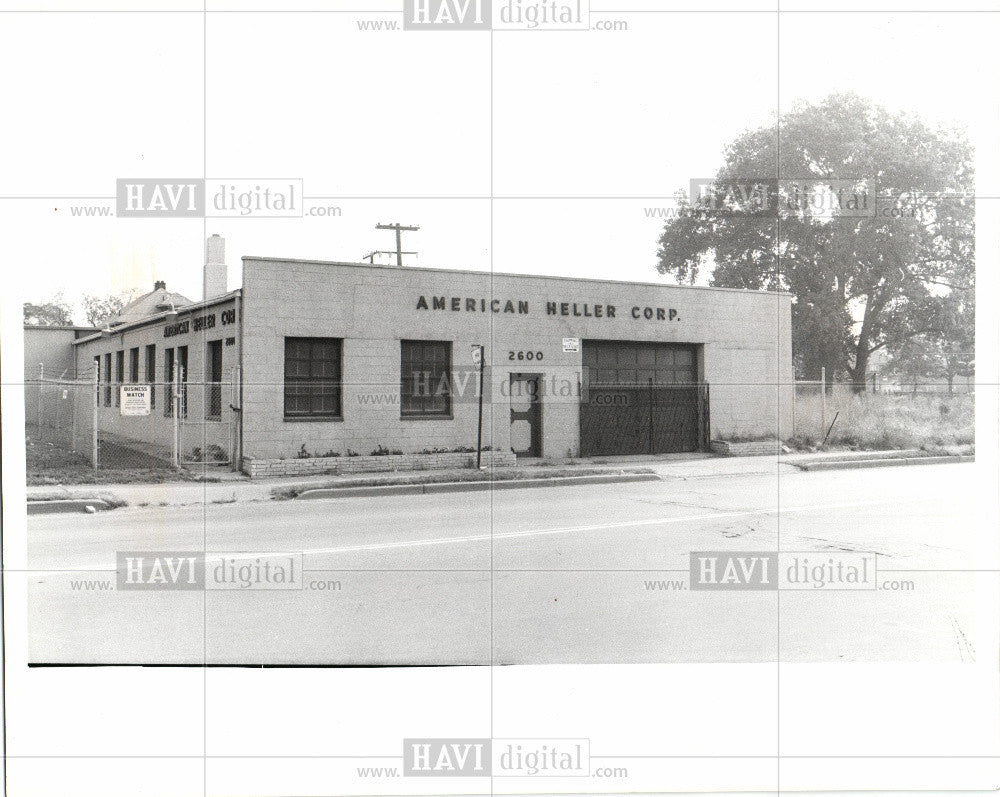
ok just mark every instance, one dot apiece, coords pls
pixel 425 378
pixel 313 377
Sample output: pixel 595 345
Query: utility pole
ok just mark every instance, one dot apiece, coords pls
pixel 399 228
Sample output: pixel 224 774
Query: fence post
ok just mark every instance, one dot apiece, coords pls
pixel 822 393
pixel 237 417
pixel 795 395
pixel 93 434
pixel 38 410
pixel 176 399
pixel 72 406
pixel 232 419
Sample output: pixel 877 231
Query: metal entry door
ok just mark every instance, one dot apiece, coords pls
pixel 525 415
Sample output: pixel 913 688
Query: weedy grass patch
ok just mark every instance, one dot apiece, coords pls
pixel 887 421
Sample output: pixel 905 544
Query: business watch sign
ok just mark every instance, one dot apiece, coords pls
pixel 134 400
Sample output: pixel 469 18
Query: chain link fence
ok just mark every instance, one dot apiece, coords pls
pixel 93 423
pixel 887 417
pixel 206 433
pixel 103 424
pixel 61 421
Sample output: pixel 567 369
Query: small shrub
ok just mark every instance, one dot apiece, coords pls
pixel 966 437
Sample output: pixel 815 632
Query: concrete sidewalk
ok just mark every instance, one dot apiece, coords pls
pixel 179 493
pixel 235 488
pixel 242 489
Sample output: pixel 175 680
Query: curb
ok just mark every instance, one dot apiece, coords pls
pixel 67 505
pixel 853 464
pixel 468 487
pixel 850 456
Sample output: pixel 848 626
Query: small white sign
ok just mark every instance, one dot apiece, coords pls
pixel 477 354
pixel 135 399
pixel 571 344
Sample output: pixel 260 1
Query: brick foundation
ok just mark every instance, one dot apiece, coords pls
pixel 263 468
pixel 750 449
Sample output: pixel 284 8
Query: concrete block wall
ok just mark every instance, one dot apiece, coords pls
pixel 743 336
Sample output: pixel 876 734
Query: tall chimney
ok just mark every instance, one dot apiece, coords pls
pixel 215 267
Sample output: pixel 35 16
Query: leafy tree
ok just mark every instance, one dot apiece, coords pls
pixel 55 313
pixel 99 309
pixel 946 354
pixel 870 270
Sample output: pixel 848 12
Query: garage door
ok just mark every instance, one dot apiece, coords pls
pixel 641 398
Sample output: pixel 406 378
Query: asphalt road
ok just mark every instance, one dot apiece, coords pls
pixel 595 574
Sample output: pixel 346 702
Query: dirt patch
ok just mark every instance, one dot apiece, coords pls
pixel 48 463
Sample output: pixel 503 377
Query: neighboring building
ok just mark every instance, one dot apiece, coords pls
pixel 158 300
pixel 166 341
pixel 314 358
pixel 48 351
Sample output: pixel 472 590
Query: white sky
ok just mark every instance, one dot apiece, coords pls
pixel 588 128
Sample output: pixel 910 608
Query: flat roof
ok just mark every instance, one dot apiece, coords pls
pixel 380 267
pixel 63 327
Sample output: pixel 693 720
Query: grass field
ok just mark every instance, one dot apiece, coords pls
pixel 885 421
